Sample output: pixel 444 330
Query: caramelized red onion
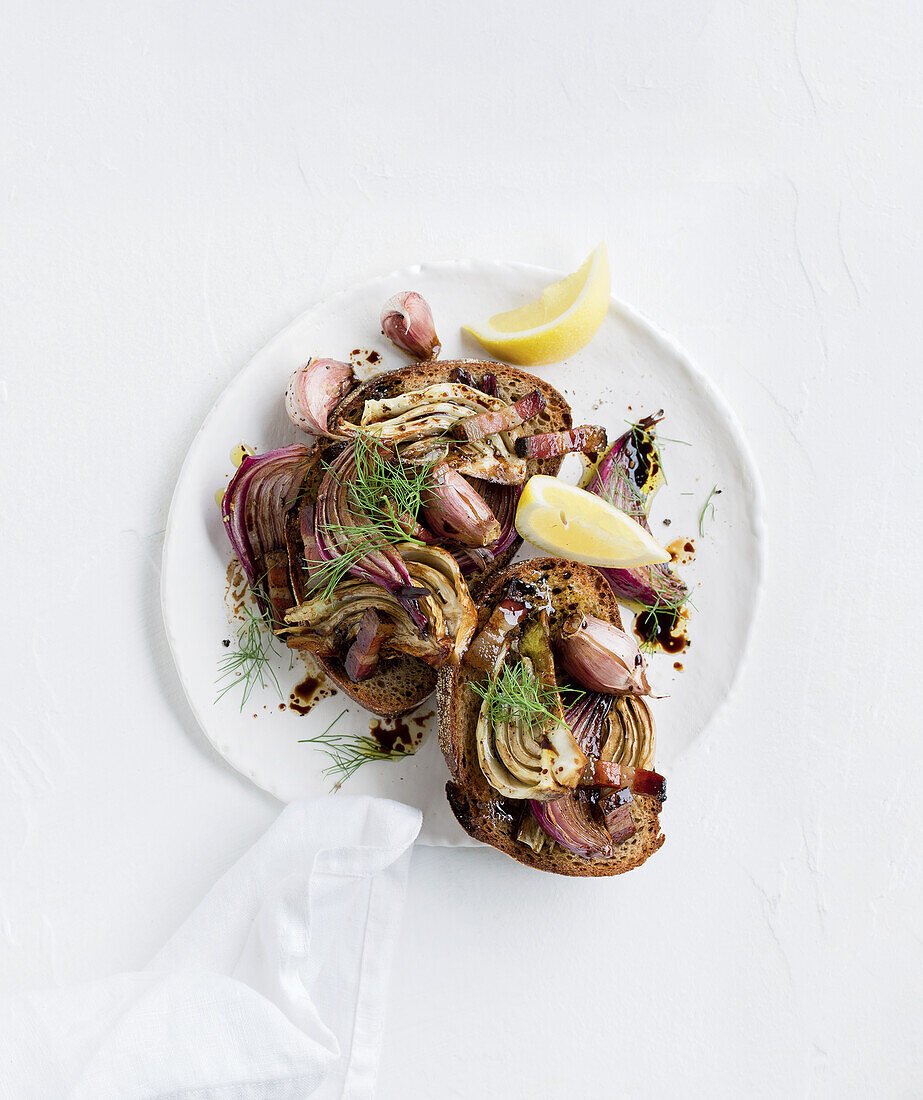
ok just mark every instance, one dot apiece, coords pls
pixel 604 773
pixel 601 657
pixel 474 428
pixel 587 439
pixel 312 558
pixel 362 656
pixel 453 509
pixel 569 821
pixel 407 321
pixel 314 390
pixel 253 509
pixel 587 720
pixel 463 375
pixel 616 811
pixel 622 478
pixel 487 384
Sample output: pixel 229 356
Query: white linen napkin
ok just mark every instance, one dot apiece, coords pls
pixel 273 989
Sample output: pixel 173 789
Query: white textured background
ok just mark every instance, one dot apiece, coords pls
pixel 177 180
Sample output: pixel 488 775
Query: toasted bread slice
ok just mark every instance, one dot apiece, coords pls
pixel 512 384
pixel 401 683
pixel 483 813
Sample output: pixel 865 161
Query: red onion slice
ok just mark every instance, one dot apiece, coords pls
pixel 253 509
pixel 587 439
pixel 587 720
pixel 489 384
pixel 312 558
pixel 616 809
pixel 362 656
pixel 463 375
pixel 568 821
pixel 481 425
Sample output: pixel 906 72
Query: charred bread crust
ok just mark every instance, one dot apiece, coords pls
pixel 397 685
pixel 480 811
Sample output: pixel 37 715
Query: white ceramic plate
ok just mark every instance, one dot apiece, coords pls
pixel 628 369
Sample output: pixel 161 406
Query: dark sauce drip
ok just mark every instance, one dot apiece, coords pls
pixel 681 551
pixel 362 355
pixel 661 629
pixel 309 692
pixel 507 809
pixel 589 796
pixel 400 734
pixel 382 388
pixel 392 736
pixel 332 450
pixel 678 665
pixel 643 463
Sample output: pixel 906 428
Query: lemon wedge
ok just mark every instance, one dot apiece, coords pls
pixel 560 322
pixel 572 523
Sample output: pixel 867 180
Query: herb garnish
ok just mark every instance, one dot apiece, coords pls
pixel 518 694
pixel 250 663
pixel 348 751
pixel 708 506
pixel 386 497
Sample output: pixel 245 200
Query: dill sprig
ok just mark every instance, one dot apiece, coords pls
pixel 708 507
pixel 348 752
pixel 387 492
pixel 251 662
pixel 518 694
pixel 386 497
